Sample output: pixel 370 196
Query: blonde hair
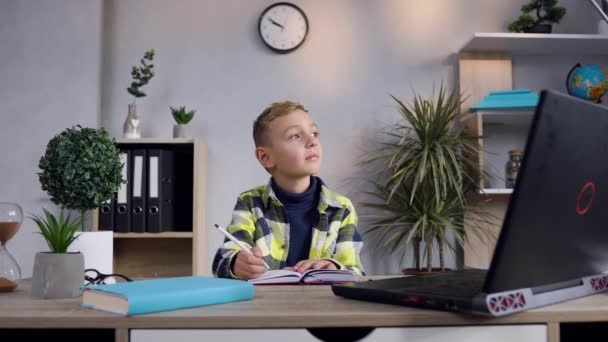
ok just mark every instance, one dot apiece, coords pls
pixel 275 110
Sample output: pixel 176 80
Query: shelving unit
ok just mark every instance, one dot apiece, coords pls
pixel 176 253
pixel 502 131
pixel 496 191
pixel 485 65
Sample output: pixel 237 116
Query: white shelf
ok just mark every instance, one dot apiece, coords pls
pixel 538 43
pixel 496 191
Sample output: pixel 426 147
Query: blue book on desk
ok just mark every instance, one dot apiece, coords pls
pixel 164 294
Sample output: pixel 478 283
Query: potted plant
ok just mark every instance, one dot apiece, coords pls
pixel 546 13
pixel 58 273
pixel 182 117
pixel 80 170
pixel 427 180
pixel 141 76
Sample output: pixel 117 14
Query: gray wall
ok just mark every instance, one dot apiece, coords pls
pixel 50 67
pixel 66 62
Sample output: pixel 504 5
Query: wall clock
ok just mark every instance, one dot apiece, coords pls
pixel 283 27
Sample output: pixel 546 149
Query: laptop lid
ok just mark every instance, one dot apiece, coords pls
pixel 556 226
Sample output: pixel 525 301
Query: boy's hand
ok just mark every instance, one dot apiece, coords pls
pixel 249 266
pixel 305 265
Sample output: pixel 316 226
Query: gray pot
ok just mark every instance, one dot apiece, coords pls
pixel 57 275
pixel 181 131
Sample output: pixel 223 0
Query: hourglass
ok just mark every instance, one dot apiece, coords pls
pixel 11 218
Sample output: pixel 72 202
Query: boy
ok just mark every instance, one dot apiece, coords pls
pixel 294 222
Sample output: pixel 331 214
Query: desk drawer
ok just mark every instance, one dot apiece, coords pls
pixel 502 333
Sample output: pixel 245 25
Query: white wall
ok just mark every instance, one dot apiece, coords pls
pixel 66 62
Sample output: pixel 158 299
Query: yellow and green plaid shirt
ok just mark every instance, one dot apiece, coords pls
pixel 259 218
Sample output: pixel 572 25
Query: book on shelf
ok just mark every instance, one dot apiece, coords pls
pixel 279 277
pixel 164 294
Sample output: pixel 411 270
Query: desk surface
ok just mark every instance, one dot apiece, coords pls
pixel 285 306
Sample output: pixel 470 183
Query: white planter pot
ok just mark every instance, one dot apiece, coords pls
pixel 97 248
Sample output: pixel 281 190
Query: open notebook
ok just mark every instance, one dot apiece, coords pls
pixel 275 277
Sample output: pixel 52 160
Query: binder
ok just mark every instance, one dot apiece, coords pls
pixel 106 214
pixel 122 209
pixel 138 190
pixel 160 215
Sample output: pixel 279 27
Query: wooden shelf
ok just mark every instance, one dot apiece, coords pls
pixel 537 43
pixel 176 235
pixel 157 141
pixel 506 117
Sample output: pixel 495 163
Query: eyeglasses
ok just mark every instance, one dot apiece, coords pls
pixel 94 277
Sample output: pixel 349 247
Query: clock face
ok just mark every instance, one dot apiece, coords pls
pixel 283 27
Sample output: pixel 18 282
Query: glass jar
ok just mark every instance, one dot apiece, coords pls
pixel 512 168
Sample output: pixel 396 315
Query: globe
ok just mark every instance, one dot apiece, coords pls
pixel 588 82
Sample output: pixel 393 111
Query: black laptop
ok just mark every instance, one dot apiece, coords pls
pixel 553 245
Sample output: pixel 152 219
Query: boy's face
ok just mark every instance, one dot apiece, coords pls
pixel 294 149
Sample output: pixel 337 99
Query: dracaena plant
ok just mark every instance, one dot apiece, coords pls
pixel 426 179
pixel 181 115
pixel 59 232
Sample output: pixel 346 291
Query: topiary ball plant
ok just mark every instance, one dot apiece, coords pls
pixel 81 169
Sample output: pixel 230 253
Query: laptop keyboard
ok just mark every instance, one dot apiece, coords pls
pixel 467 283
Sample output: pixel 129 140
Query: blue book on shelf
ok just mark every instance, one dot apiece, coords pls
pixel 164 294
pixel 519 99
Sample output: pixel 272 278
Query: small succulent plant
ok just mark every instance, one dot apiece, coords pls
pixel 59 232
pixel 181 115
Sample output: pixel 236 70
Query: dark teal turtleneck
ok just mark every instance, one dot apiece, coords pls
pixel 302 215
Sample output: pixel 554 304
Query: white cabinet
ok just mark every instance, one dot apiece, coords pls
pixel 506 333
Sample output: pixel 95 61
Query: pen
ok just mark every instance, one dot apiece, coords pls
pixel 238 243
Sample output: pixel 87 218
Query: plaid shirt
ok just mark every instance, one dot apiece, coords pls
pixel 260 218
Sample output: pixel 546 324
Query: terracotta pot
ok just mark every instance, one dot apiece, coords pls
pixel 423 271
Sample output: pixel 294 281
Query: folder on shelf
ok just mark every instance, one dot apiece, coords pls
pixel 106 214
pixel 138 191
pixel 160 215
pixel 122 210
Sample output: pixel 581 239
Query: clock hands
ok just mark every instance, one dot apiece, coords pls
pixel 286 20
pixel 275 23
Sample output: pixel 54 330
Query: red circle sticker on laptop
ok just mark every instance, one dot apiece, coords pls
pixel 585 198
